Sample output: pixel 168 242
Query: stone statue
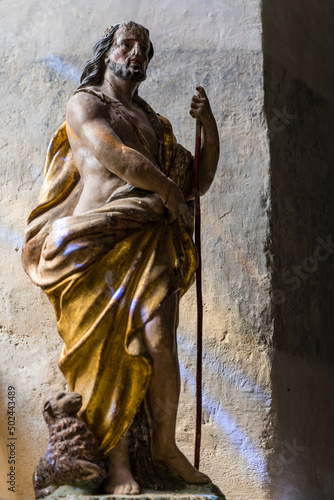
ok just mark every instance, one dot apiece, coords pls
pixel 110 243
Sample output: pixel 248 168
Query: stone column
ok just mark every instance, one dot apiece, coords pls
pixel 298 41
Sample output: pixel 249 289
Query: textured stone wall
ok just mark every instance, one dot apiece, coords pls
pixel 218 45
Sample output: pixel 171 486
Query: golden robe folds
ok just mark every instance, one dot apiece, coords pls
pixel 106 272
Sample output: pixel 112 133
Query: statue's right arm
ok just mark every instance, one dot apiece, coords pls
pixel 89 119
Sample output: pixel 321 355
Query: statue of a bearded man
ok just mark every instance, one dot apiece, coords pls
pixel 110 243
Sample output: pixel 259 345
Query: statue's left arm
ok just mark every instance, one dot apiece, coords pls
pixel 209 155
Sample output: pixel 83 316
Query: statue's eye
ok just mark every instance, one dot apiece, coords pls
pixel 61 395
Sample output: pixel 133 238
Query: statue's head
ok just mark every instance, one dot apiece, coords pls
pixel 111 50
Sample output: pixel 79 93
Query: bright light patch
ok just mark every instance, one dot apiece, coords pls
pixel 59 232
pixel 71 248
pixel 118 294
pixel 240 441
pixel 134 303
pixel 235 377
pixel 63 68
pixel 36 174
pixel 11 237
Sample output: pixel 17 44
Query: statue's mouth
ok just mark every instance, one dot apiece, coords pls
pixel 135 63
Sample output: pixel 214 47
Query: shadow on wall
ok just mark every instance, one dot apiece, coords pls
pixel 298 43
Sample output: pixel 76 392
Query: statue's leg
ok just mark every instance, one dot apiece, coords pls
pixel 121 481
pixel 164 390
pixel 163 397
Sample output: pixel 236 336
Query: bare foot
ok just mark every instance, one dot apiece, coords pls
pixel 174 460
pixel 121 482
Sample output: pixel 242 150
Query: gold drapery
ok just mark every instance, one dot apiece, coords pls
pixel 106 272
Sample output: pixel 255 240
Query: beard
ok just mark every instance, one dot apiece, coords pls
pixel 127 72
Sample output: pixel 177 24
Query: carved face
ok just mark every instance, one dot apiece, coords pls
pixel 129 53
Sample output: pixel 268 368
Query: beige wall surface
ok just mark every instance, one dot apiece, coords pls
pixel 217 44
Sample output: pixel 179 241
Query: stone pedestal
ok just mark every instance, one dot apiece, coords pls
pixel 191 492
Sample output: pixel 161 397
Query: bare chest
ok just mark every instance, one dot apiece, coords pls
pixel 134 128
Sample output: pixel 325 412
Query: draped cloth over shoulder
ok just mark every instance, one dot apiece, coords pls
pixel 107 272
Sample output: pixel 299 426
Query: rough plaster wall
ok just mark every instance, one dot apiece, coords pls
pixel 217 44
pixel 298 43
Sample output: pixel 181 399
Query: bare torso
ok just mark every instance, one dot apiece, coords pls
pixel 100 182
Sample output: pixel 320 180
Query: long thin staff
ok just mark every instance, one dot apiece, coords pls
pixel 199 297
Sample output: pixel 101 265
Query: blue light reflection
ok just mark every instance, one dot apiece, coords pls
pixel 72 247
pixel 63 68
pixel 118 294
pixel 60 231
pixel 36 174
pixel 235 377
pixel 240 441
pixel 11 237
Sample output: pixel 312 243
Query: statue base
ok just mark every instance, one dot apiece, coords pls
pixel 207 491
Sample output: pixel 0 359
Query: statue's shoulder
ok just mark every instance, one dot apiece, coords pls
pixel 85 93
pixel 85 104
pixel 86 98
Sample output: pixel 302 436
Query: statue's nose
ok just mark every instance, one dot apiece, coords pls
pixel 136 50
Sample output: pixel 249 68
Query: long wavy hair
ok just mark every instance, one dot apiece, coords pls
pixel 95 68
